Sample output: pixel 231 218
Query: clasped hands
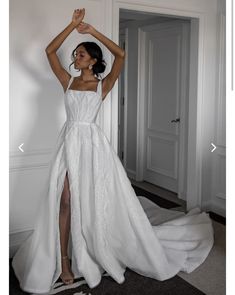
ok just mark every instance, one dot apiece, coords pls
pixel 81 27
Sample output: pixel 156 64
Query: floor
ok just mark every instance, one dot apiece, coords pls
pixel 168 195
pixel 210 277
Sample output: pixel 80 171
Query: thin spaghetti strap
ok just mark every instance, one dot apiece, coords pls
pixel 99 88
pixel 70 82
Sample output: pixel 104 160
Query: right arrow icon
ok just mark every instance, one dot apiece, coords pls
pixel 214 147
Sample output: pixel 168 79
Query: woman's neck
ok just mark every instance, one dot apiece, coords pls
pixel 87 75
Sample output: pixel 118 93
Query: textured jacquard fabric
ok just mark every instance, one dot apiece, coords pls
pixel 111 227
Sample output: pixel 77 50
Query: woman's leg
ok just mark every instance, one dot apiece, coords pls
pixel 64 224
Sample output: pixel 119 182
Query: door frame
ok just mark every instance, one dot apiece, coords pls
pixel 196 91
pixel 125 107
pixel 141 103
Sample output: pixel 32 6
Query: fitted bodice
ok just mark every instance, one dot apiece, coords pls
pixel 83 105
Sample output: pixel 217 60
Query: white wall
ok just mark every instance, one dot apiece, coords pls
pixel 217 201
pixel 36 98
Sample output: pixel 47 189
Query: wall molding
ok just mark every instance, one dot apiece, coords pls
pixel 169 142
pixel 214 206
pixel 218 193
pixel 30 160
pixel 33 152
pixel 220 86
pixel 29 167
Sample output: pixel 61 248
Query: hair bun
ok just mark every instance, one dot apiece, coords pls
pixel 99 66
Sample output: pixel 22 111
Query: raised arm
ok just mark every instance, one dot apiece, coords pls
pixel 62 75
pixel 118 53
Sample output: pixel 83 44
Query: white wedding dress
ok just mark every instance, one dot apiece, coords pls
pixel 111 228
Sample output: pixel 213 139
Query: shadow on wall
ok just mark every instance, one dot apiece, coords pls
pixel 38 110
pixel 37 106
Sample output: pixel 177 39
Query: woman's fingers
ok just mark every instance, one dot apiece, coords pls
pixel 78 15
pixel 83 28
pixel 80 11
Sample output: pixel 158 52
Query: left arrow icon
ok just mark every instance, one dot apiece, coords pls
pixel 20 147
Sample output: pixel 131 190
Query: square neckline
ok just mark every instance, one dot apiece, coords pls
pixel 78 90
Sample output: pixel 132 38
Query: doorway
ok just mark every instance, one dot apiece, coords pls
pixel 159 48
pixel 191 153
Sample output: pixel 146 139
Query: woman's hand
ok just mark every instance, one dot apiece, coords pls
pixel 78 16
pixel 84 28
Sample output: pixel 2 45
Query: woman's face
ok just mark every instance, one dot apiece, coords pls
pixel 82 58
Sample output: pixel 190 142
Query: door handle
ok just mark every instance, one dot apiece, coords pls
pixel 176 120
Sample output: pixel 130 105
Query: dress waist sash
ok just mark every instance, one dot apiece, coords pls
pixel 80 122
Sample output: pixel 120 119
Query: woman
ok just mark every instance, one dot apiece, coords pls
pixel 89 66
pixel 90 198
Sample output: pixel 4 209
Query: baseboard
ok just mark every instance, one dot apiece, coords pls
pixel 214 207
pixel 217 218
pixel 131 173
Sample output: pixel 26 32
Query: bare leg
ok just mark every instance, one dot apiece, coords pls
pixel 64 224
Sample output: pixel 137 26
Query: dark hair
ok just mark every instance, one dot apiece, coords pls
pixel 94 51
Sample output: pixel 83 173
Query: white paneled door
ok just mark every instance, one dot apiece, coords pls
pixel 165 103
